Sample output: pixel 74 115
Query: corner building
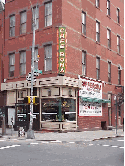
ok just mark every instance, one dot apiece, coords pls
pixel 80 44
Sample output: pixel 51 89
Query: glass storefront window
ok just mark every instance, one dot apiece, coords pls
pixel 51 109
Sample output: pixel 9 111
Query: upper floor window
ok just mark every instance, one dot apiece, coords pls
pixel 109 71
pixel 119 75
pixel 36 15
pixel 108 7
pixel 11 65
pixel 97 31
pixel 84 23
pixel 23 22
pixel 48 57
pixel 22 62
pixel 97 3
pixel 109 37
pixel 48 14
pixel 12 26
pixel 118 44
pixel 84 63
pixel 97 68
pixel 118 21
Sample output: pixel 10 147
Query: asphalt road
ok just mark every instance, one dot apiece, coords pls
pixel 109 152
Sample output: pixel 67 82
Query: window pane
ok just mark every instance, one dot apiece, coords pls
pixel 23 17
pixel 83 57
pixel 12 59
pixel 23 69
pixel 49 20
pixel 12 21
pixel 83 18
pixel 108 34
pixel 97 27
pixel 48 52
pixel 48 64
pixel 12 68
pixel 46 9
pixel 23 28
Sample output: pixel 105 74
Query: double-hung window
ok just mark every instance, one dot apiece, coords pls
pixel 109 71
pixel 36 16
pixel 119 75
pixel 109 38
pixel 97 3
pixel 118 44
pixel 48 14
pixel 97 31
pixel 84 63
pixel 48 58
pixel 118 21
pixel 23 22
pixel 22 62
pixel 97 68
pixel 108 7
pixel 12 25
pixel 84 23
pixel 11 65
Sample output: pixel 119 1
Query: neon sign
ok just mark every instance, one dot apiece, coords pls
pixel 61 50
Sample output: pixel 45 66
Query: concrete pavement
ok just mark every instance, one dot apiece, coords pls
pixel 68 137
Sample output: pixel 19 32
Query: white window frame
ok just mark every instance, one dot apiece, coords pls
pixel 48 57
pixel 97 68
pixel 97 31
pixel 118 18
pixel 48 15
pixel 108 7
pixel 97 3
pixel 84 23
pixel 118 43
pixel 84 63
pixel 23 62
pixel 23 22
pixel 12 25
pixel 109 37
pixel 11 64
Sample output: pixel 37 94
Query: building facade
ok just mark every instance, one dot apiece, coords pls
pixel 81 57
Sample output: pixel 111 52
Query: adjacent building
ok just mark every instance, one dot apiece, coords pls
pixel 81 50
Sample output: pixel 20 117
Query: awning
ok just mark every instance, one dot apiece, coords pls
pixel 95 100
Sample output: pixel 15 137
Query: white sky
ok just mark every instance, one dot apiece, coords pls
pixel 3 1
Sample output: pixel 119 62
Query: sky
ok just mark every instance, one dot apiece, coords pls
pixel 3 1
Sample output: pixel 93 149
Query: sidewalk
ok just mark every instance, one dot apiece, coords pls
pixel 68 137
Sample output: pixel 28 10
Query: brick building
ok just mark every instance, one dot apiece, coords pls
pixel 81 57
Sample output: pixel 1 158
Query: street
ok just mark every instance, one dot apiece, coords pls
pixel 106 152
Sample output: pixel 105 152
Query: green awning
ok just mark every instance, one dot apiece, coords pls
pixel 95 100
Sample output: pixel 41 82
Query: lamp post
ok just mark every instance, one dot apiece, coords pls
pixel 30 132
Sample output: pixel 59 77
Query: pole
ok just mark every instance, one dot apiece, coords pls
pixel 116 115
pixel 30 132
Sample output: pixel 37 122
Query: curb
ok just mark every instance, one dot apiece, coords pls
pixel 101 138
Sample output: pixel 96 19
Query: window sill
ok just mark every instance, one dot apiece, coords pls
pixel 109 49
pixel 97 7
pixel 97 42
pixel 117 23
pixel 109 83
pixel 118 54
pixel 84 35
pixel 108 16
pixel 24 34
pixel 22 76
pixel 10 38
pixel 10 78
pixel 48 27
pixel 47 72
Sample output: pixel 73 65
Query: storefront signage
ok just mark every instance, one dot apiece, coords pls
pixel 61 50
pixel 91 90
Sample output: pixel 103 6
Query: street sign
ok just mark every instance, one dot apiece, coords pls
pixel 38 71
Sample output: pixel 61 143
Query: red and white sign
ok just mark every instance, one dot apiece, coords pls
pixel 90 89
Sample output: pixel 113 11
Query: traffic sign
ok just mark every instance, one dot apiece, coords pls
pixel 38 71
